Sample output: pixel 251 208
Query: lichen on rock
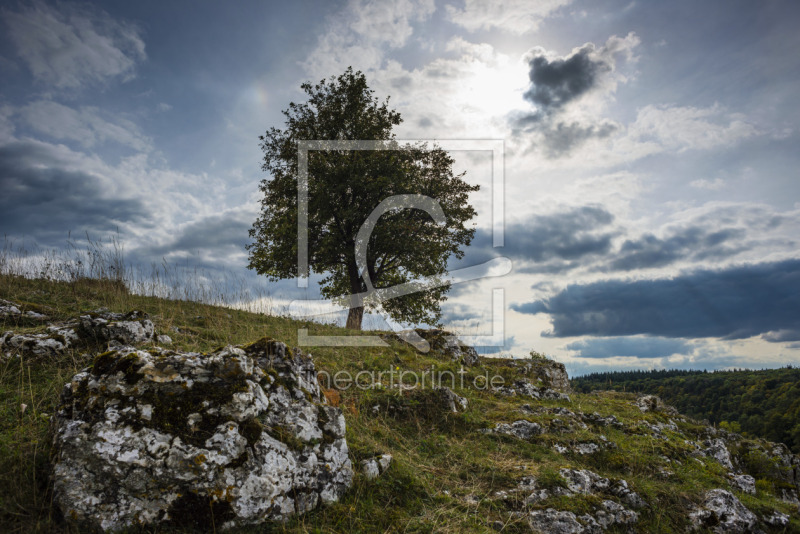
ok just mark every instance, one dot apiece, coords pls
pixel 235 437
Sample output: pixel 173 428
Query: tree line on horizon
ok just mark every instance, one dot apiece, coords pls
pixel 764 403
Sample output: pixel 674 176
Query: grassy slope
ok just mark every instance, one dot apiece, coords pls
pixel 439 458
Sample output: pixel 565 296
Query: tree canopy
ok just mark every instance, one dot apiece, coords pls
pixel 344 188
pixel 762 403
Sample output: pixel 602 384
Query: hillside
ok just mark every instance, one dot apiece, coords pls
pixel 763 403
pixel 517 458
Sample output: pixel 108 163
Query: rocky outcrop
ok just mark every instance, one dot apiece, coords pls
pixel 544 372
pixel 442 341
pixel 744 483
pixel 552 521
pixel 609 513
pixel 235 437
pixel 652 403
pixel 525 388
pixel 521 429
pixel 715 448
pixel 95 329
pixel 722 512
pixel 16 313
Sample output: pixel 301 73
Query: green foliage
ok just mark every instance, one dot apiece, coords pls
pixel 538 356
pixel 344 187
pixel 762 403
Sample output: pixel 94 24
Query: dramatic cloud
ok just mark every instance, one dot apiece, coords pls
pixel 693 242
pixel 44 200
pixel 73 45
pixel 550 240
pixel 736 303
pixel 639 347
pixel 513 16
pixel 558 82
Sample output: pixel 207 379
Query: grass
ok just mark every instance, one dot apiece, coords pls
pixel 445 474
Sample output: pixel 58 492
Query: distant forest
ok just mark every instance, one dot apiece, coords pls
pixel 754 403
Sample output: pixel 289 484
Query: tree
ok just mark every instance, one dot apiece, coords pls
pixel 344 189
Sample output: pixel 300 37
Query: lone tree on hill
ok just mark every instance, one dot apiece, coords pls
pixel 406 239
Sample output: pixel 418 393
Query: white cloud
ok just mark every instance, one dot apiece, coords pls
pixel 359 35
pixel 513 16
pixel 84 126
pixel 71 45
pixel 679 129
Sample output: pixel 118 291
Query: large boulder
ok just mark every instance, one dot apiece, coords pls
pixel 235 437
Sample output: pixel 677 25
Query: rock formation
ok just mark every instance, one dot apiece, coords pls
pixel 235 437
pixel 90 330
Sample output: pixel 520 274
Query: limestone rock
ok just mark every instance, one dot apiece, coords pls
pixel 777 519
pixel 722 512
pixel 451 401
pixel 525 388
pixel 442 341
pixel 552 374
pixel 552 521
pixel 13 311
pixel 588 482
pixel 744 483
pixel 374 467
pixel 547 373
pixel 235 437
pixel 652 403
pixel 521 429
pixel 89 330
pixel 716 449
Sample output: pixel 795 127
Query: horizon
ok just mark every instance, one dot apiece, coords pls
pixel 651 202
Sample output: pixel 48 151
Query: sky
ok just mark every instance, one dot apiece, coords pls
pixel 650 192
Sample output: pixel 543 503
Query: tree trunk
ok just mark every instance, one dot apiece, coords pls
pixel 354 318
pixel 356 313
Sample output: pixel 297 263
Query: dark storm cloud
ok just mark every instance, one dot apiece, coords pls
pixel 639 347
pixel 555 83
pixel 782 336
pixel 693 242
pixel 553 241
pixel 735 303
pixel 41 199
